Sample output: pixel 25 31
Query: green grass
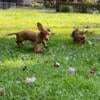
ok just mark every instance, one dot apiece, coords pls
pixel 51 83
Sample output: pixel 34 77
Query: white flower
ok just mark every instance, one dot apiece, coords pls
pixel 30 80
pixel 90 43
pixel 71 70
pixel 67 58
pixel 57 64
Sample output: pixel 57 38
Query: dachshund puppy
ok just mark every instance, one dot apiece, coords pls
pixel 35 37
pixel 78 36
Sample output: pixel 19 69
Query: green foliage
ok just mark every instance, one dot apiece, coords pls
pixel 65 8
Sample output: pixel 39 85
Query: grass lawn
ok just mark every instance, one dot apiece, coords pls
pixel 51 83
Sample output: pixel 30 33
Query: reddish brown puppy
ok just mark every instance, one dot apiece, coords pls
pixel 78 36
pixel 35 37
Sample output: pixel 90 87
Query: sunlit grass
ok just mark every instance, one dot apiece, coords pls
pixel 51 83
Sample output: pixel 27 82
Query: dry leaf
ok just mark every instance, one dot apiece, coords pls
pixel 2 91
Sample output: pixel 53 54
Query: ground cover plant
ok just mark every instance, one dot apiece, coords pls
pixel 52 83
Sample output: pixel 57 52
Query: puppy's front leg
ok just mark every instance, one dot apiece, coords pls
pixel 45 44
pixel 34 44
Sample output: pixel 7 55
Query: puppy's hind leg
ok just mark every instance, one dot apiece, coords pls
pixel 18 41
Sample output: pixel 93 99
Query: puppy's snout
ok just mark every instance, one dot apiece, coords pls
pixel 47 38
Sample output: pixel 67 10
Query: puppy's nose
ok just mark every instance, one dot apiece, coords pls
pixel 47 38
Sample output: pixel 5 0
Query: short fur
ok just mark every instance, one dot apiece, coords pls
pixel 78 36
pixel 34 37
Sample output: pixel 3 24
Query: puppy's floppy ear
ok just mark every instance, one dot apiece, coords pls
pixel 40 27
pixel 74 32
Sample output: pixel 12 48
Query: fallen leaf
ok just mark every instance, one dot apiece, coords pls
pixel 2 91
pixel 18 82
pixel 91 72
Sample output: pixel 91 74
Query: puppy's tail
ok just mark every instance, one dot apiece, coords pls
pixel 11 34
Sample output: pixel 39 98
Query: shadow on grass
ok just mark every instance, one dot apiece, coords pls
pixel 61 46
pixel 58 45
pixel 8 46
